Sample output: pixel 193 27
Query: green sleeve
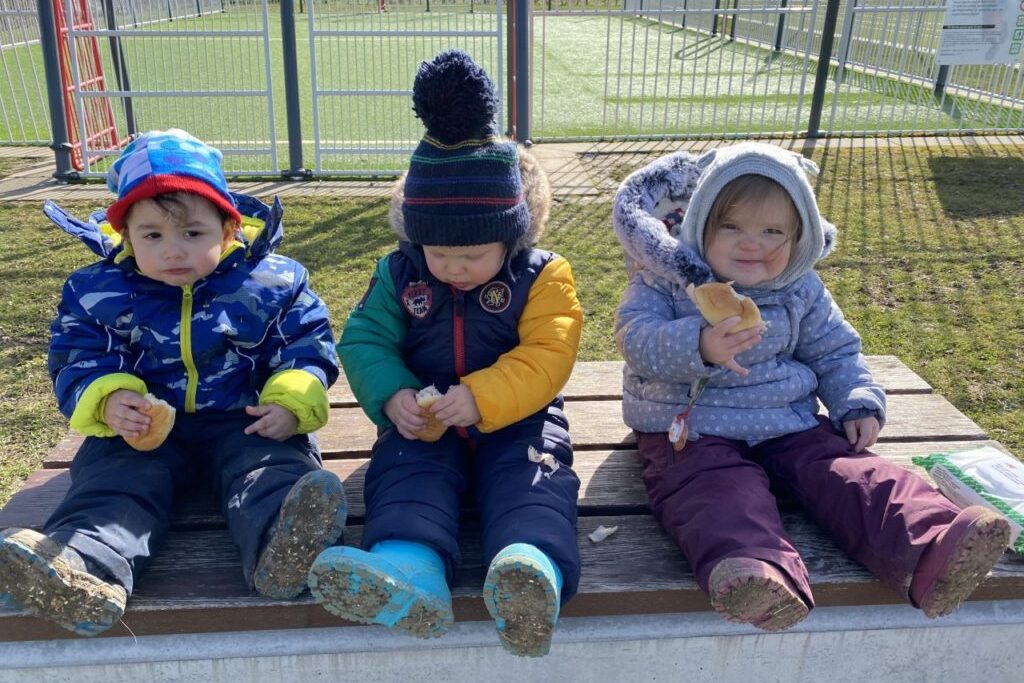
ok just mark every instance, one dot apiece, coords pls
pixel 371 347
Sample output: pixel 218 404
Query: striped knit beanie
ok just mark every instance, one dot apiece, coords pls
pixel 463 185
pixel 162 161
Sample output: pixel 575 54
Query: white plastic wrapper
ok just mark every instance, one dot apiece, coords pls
pixel 982 476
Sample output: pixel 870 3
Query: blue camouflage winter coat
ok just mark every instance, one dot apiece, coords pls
pixel 250 332
pixel 807 352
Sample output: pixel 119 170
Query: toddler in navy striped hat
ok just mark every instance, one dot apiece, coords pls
pixel 466 305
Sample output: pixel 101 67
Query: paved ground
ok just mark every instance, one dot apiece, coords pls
pixel 584 170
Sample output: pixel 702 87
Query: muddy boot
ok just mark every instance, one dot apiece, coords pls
pixel 398 584
pixel 51 581
pixel 521 593
pixel 958 560
pixel 312 518
pixel 748 591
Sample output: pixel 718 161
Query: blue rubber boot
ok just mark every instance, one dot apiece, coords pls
pixel 51 581
pixel 398 584
pixel 522 593
pixel 312 518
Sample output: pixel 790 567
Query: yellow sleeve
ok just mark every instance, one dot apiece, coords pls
pixel 300 392
pixel 527 378
pixel 88 416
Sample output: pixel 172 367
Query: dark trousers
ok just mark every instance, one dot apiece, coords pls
pixel 714 499
pixel 413 492
pixel 117 512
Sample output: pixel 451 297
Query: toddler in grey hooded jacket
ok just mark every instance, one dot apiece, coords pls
pixel 807 351
pixel 749 398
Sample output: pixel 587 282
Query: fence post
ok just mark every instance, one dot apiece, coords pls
pixel 781 28
pixel 828 35
pixel 61 146
pixel 940 81
pixel 519 65
pixel 732 23
pixel 291 92
pixel 120 67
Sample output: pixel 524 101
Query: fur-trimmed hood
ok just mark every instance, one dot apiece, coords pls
pixel 661 209
pixel 536 190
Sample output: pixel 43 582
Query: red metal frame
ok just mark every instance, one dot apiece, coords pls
pixel 100 129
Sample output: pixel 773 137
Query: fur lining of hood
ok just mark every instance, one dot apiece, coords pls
pixel 661 209
pixel 536 190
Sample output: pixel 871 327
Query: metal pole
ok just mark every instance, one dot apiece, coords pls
pixel 291 91
pixel 61 146
pixel 120 66
pixel 828 35
pixel 781 28
pixel 940 80
pixel 714 19
pixel 520 62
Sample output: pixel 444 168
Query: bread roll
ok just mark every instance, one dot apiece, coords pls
pixel 161 419
pixel 434 429
pixel 718 301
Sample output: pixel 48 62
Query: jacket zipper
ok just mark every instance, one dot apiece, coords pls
pixel 459 341
pixel 191 374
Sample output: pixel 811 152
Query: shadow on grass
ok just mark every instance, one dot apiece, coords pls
pixel 960 181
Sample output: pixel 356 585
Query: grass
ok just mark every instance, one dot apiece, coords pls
pixel 930 268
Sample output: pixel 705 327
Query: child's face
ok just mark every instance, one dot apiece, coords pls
pixel 754 240
pixel 465 267
pixel 177 248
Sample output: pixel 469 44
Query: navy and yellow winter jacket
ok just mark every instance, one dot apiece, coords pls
pixel 512 341
pixel 250 332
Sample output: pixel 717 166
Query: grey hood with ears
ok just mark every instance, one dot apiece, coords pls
pixel 661 210
pixel 536 190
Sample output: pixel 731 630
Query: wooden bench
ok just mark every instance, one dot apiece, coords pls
pixel 194 585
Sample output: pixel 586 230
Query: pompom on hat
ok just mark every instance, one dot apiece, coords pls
pixel 159 162
pixel 463 186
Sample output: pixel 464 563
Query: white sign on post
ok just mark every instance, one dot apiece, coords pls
pixel 982 32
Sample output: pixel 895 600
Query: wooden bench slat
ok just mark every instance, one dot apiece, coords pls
pixel 609 481
pixel 603 379
pixel 598 425
pixel 195 584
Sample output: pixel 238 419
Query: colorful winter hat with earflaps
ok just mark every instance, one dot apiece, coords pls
pixel 463 186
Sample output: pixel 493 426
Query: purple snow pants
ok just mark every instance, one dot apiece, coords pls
pixel 713 499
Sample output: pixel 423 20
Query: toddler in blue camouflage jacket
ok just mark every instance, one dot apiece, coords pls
pixel 188 305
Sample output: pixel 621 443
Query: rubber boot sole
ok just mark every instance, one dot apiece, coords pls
pixel 748 591
pixel 312 518
pixel 523 603
pixel 37 577
pixel 960 560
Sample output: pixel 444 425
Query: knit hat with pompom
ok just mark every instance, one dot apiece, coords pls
pixel 463 186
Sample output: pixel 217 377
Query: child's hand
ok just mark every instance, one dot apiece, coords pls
pixel 276 422
pixel 405 413
pixel 121 413
pixel 862 433
pixel 719 347
pixel 457 408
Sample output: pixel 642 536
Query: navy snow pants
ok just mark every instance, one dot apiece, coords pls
pixel 414 489
pixel 118 509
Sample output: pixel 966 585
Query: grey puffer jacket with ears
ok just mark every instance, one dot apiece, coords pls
pixel 808 350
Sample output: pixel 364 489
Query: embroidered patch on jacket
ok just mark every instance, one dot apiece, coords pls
pixel 417 298
pixel 495 297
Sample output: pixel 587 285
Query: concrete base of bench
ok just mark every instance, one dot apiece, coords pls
pixel 893 643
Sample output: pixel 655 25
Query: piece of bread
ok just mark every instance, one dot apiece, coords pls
pixel 435 429
pixel 718 301
pixel 161 419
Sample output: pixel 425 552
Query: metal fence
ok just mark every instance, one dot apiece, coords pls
pixel 23 112
pixel 325 84
pixel 363 54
